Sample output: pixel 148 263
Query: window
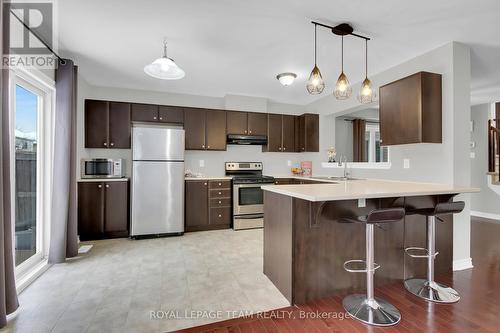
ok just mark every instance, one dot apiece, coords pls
pixel 31 129
pixel 374 151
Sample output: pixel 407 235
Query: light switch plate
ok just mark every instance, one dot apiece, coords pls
pixel 361 203
pixel 406 163
pixel 202 163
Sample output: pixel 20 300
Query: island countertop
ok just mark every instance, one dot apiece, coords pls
pixel 365 189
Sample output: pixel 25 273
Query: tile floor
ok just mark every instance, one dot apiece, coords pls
pixel 115 287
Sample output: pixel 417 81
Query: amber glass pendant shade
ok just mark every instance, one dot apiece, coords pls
pixel 315 84
pixel 366 93
pixel 343 89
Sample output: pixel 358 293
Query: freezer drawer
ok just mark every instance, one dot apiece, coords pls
pixel 157 197
pixel 157 143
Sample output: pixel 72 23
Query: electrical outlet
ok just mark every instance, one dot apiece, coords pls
pixel 472 154
pixel 406 163
pixel 202 163
pixel 361 203
pixel 289 163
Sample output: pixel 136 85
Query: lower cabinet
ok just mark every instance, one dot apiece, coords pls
pixel 208 204
pixel 295 181
pixel 103 210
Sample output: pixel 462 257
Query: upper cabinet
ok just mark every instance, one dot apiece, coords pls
pixel 205 129
pixel 411 110
pixel 246 123
pixel 280 134
pixel 307 133
pixel 107 124
pixel 157 113
pixel 144 112
pixel 171 114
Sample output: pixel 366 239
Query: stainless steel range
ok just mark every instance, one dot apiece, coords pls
pixel 248 201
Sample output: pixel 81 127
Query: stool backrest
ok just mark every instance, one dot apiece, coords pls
pixel 385 215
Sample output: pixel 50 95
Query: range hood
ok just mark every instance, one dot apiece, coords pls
pixel 237 139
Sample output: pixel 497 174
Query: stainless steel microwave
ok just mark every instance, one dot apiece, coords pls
pixel 102 168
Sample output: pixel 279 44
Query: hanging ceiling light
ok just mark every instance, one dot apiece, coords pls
pixel 286 79
pixel 315 84
pixel 366 93
pixel 164 68
pixel 343 89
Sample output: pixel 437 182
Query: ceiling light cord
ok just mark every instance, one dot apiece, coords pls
pixel 342 57
pixel 366 59
pixel 315 41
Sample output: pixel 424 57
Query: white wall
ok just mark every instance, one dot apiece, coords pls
pixel 441 163
pixel 487 201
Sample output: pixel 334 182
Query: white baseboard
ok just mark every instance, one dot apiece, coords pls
pixel 485 215
pixel 461 264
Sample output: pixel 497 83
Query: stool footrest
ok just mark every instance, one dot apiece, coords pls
pixel 417 252
pixel 358 270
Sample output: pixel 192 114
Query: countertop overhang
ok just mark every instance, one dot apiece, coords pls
pixel 365 189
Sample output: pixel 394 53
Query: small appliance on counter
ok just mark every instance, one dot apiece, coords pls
pixel 102 168
pixel 306 167
pixel 248 198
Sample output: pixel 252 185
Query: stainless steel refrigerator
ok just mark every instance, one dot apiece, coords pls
pixel 157 180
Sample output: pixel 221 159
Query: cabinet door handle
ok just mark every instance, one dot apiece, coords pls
pixel 105 144
pixel 220 215
pixel 205 184
pixel 99 186
pixel 220 184
pixel 111 144
pixel 107 185
pixel 161 118
pixel 284 148
pixel 220 193
pixel 245 131
pixel 250 132
pixel 203 146
pixel 220 202
pixel 208 147
pixel 154 118
pixel 279 148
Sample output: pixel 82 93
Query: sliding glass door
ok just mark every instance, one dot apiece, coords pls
pixel 30 167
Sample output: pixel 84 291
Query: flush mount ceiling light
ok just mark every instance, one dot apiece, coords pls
pixel 286 79
pixel 366 93
pixel 315 84
pixel 164 68
pixel 343 89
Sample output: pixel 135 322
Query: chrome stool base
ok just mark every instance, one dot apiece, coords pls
pixel 375 312
pixel 432 291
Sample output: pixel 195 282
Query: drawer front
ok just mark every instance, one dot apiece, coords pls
pixel 283 181
pixel 220 215
pixel 212 184
pixel 225 202
pixel 220 193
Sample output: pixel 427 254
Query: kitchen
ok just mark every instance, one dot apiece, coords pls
pixel 216 179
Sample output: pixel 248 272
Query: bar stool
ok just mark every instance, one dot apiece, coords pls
pixel 367 308
pixel 427 288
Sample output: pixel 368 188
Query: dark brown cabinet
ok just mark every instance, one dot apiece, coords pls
pixel 144 112
pixel 196 205
pixel 280 134
pixel 307 133
pixel 103 210
pixel 171 114
pixel 107 124
pixel 205 129
pixel 246 123
pixel 411 110
pixel 158 113
pixel 208 204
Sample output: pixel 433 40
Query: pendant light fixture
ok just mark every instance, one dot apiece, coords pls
pixel 164 68
pixel 366 93
pixel 315 84
pixel 343 89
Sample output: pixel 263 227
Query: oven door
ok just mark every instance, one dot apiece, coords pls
pixel 248 199
pixel 97 168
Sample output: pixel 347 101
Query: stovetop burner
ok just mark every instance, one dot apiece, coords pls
pixel 247 173
pixel 252 179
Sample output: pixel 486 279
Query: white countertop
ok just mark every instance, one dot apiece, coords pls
pixel 88 180
pixel 209 178
pixel 365 188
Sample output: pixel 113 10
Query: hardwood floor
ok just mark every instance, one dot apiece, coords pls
pixel 477 311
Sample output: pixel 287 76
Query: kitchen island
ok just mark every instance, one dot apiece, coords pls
pixel 306 244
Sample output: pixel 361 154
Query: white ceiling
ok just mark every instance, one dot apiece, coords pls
pixel 238 47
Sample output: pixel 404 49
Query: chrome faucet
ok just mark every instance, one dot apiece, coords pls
pixel 343 161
